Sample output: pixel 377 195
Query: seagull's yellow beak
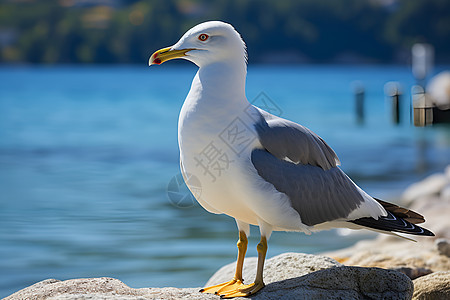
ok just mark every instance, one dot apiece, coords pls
pixel 166 54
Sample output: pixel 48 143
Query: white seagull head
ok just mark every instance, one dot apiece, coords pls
pixel 204 44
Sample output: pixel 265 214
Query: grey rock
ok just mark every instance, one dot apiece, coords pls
pixel 435 286
pixel 431 198
pixel 294 275
pixel 341 282
pixel 283 266
pixel 288 276
pixel 445 193
pixel 101 289
pixel 443 247
pixel 413 273
pixel 429 254
pixel 412 259
pixel 52 288
pixel 432 185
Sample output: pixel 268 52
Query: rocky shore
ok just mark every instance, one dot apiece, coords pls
pixel 385 268
pixel 427 261
pixel 288 276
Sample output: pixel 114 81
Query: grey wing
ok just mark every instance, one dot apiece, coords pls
pixel 298 163
pixel 318 195
pixel 286 139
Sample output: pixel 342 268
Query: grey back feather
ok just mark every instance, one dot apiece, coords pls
pixel 286 139
pixel 318 190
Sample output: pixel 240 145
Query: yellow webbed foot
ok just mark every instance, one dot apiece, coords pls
pixel 243 291
pixel 218 289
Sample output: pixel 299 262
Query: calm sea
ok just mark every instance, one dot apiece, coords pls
pixel 87 155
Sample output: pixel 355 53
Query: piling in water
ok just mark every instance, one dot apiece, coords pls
pixel 359 92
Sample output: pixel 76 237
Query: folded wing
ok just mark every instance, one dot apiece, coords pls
pixel 298 163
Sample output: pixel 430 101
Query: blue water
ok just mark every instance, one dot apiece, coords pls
pixel 87 153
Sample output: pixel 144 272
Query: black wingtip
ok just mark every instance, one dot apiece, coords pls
pixel 426 232
pixel 394 224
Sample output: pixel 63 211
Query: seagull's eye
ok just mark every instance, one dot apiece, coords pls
pixel 203 37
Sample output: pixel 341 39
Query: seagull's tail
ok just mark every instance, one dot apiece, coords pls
pixel 398 219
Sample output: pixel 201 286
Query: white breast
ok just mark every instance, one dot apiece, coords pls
pixel 215 147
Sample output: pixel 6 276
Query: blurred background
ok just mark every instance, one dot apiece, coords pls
pixel 89 171
pixel 307 31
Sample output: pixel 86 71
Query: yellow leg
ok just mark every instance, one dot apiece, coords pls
pixel 237 280
pixel 250 289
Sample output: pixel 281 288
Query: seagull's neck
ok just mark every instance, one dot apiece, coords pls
pixel 217 97
pixel 222 82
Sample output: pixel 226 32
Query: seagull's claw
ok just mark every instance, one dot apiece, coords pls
pixel 223 288
pixel 244 291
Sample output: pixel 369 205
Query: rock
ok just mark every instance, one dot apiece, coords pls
pixel 341 282
pixel 283 266
pixel 101 289
pixel 412 259
pixel 445 193
pixel 288 276
pixel 431 198
pixel 435 286
pixel 447 172
pixel 412 273
pixel 432 185
pixel 429 254
pixel 435 210
pixel 443 247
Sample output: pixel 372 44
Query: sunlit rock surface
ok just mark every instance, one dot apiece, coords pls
pixel 288 276
pixel 418 260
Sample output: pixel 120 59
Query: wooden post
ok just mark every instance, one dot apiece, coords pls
pixel 396 108
pixel 422 107
pixel 392 90
pixel 359 92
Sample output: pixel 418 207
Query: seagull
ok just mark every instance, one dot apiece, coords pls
pixel 256 167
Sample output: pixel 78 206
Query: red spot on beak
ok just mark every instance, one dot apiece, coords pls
pixel 155 55
pixel 157 61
